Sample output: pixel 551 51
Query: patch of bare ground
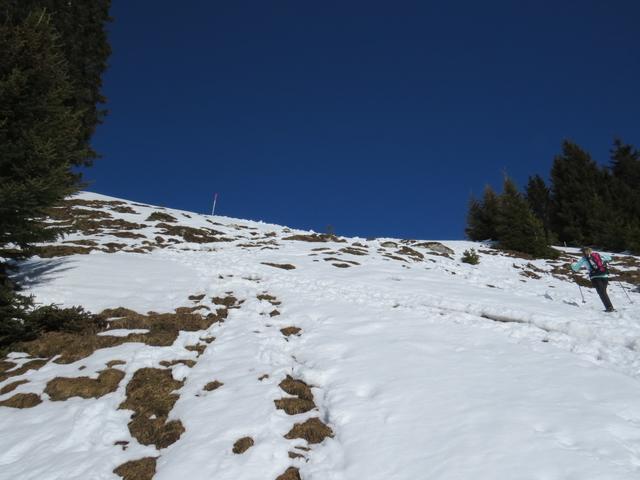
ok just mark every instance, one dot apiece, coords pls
pixel 263 377
pixel 163 331
pixel 284 266
pixel 320 249
pixel 191 234
pixel 212 386
pixel 22 400
pixel 30 365
pixel 296 387
pixel 113 363
pixel 313 431
pixel 291 473
pixel 436 247
pixel 142 469
pixel 394 257
pixel 150 396
pixel 160 217
pixel 197 298
pixel 60 388
pixel 287 331
pixel 341 265
pixel 242 445
pixel 269 298
pixel 335 259
pixel 274 313
pixel 354 251
pixel 199 347
pixel 315 237
pixel 411 253
pixel 171 363
pixel 12 386
pixel 49 251
pixel 83 242
pixel 123 209
pixel 229 301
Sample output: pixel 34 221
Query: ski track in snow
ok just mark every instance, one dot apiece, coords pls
pixel 421 369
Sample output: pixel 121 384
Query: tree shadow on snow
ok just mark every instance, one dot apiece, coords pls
pixel 31 273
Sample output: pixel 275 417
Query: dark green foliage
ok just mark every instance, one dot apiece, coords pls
pixel 49 318
pixel 83 43
pixel 38 130
pixel 517 227
pixel 470 256
pixel 580 192
pixel 538 196
pixel 482 217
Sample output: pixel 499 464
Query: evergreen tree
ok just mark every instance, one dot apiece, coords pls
pixel 579 195
pixel 482 216
pixel 38 130
pixel 538 196
pixel 625 196
pixel 84 44
pixel 517 227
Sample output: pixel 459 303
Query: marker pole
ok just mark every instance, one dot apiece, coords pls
pixel 215 199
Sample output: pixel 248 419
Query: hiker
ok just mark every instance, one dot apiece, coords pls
pixel 598 273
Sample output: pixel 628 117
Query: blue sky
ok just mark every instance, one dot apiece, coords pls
pixel 377 118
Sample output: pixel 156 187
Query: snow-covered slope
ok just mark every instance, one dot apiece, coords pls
pixel 252 351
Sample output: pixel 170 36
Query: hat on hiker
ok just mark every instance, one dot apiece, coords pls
pixel 586 250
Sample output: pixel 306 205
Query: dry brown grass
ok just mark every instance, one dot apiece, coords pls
pixel 49 251
pixel 199 347
pixel 150 396
pixel 123 209
pixel 212 386
pixel 290 331
pixel 142 469
pixel 197 298
pixel 188 363
pixel 131 235
pixel 113 363
pixel 410 252
pixel 228 301
pixel 12 386
pixel 242 445
pixel 284 266
pixel 315 237
pixel 297 388
pixel 341 265
pixel 60 388
pixel 192 235
pixel 291 473
pixel 313 431
pixel 30 365
pixel 160 217
pixel 274 313
pixel 354 251
pixel 22 400
pixel 294 406
pixel 269 298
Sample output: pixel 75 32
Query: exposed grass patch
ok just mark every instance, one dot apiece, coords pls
pixel 341 265
pixel 200 348
pixel 212 386
pixel 242 445
pixel 269 298
pixel 150 396
pixel 228 301
pixel 123 209
pixel 12 386
pixel 22 400
pixel 192 235
pixel 142 469
pixel 197 298
pixel 313 431
pixel 410 252
pixel 113 363
pixel 160 217
pixel 284 266
pixel 354 251
pixel 297 388
pixel 291 473
pixel 315 237
pixel 60 389
pixel 294 406
pixel 171 363
pixel 274 313
pixel 50 251
pixel 30 365
pixel 287 331
pixel 131 235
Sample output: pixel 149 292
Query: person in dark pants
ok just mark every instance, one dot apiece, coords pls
pixel 596 263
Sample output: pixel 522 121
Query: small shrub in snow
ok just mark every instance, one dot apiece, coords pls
pixel 470 256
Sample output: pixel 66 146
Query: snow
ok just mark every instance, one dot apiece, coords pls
pixel 421 369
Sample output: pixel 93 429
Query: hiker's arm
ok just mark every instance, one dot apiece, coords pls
pixel 578 265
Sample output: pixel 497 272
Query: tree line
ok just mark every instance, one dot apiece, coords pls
pixel 52 57
pixel 583 204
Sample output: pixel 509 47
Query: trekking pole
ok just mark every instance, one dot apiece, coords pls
pixel 625 291
pixel 580 288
